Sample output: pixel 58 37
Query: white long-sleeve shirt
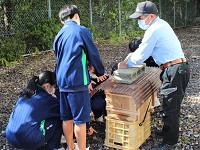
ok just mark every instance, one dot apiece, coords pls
pixel 160 42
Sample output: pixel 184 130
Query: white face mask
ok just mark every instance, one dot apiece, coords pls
pixel 142 24
pixel 53 91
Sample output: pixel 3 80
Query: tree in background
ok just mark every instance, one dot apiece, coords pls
pixel 6 9
pixel 26 21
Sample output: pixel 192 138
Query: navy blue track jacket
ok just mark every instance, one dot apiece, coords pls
pixel 73 46
pixel 24 126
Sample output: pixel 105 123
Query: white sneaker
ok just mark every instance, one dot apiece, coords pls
pixel 75 146
pixel 60 148
pixel 100 119
pixel 63 140
pixel 157 102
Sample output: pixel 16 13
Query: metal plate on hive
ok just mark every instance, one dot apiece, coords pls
pixel 128 75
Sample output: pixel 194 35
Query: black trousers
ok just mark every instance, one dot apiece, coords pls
pixel 174 82
pixel 98 104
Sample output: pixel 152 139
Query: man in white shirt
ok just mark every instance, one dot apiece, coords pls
pixel 162 44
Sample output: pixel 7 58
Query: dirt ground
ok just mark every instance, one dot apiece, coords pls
pixel 13 79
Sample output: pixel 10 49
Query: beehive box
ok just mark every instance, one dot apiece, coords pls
pixel 128 98
pixel 126 135
pixel 135 115
pixel 124 106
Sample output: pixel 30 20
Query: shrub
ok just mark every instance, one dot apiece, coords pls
pixel 3 62
pixel 12 49
pixel 40 36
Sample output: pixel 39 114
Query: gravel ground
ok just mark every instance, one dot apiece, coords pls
pixel 12 79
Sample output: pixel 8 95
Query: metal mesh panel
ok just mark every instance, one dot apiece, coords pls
pixel 192 12
pixel 104 18
pixel 178 13
pixel 167 11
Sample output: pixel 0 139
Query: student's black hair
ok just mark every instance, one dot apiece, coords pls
pixel 35 81
pixel 68 11
pixel 134 43
pixel 114 67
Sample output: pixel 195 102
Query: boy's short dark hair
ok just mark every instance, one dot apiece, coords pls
pixel 134 43
pixel 114 67
pixel 68 11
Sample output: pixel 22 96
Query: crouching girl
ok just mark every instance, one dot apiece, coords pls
pixel 35 120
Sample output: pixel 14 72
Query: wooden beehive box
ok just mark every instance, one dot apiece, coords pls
pixel 133 113
pixel 126 99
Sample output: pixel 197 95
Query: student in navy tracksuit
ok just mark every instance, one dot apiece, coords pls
pixel 98 103
pixel 35 120
pixel 73 46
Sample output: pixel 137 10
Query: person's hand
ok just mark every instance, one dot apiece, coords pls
pixel 102 78
pixel 122 65
pixel 91 131
pixel 90 88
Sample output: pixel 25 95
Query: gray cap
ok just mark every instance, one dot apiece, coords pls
pixel 146 7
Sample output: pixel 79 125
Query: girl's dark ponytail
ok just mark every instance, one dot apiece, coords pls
pixel 31 87
pixel 36 81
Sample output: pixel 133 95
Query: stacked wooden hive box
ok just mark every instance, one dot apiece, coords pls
pixel 130 94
